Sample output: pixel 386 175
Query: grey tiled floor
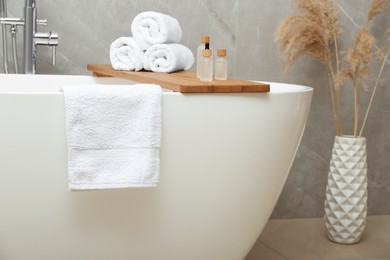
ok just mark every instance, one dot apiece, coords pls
pixel 301 239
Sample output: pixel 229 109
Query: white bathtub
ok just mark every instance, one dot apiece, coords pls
pixel 224 161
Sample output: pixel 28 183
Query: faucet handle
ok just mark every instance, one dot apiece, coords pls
pixel 53 38
pixel 47 39
pixel 53 42
pixel 41 22
pixel 11 21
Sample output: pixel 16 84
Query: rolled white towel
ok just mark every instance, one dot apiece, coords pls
pixel 150 28
pixel 125 54
pixel 168 58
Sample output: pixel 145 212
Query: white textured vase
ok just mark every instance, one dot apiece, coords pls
pixel 346 191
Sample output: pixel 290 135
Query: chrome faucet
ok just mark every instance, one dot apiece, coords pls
pixel 3 14
pixel 31 38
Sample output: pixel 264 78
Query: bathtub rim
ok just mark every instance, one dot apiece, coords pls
pixel 276 87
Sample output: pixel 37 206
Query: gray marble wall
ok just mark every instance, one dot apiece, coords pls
pixel 245 28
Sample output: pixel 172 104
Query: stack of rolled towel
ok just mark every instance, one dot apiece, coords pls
pixel 154 46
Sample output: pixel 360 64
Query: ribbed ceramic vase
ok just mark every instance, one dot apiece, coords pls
pixel 346 191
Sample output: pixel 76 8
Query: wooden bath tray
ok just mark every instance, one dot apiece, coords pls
pixel 182 81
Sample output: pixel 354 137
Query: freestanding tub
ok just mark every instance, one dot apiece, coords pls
pixel 224 161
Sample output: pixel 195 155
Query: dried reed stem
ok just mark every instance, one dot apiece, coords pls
pixel 374 91
pixel 339 119
pixel 356 94
pixel 339 115
pixel 355 107
pixel 336 51
pixel 358 108
pixel 332 97
pixel 339 122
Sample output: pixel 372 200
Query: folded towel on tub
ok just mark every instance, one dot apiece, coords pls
pixel 168 58
pixel 113 135
pixel 125 54
pixel 150 28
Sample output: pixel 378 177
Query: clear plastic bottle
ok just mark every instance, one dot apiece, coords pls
pixel 206 72
pixel 199 55
pixel 221 65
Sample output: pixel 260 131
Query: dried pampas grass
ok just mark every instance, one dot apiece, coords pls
pixel 300 36
pixel 308 33
pixel 358 58
pixel 314 30
pixel 377 7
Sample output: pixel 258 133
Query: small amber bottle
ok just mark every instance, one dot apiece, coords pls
pixel 221 65
pixel 206 71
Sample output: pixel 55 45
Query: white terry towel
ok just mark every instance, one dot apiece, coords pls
pixel 113 135
pixel 168 58
pixel 150 28
pixel 125 54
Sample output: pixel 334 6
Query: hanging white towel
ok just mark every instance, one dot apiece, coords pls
pixel 125 54
pixel 113 135
pixel 150 28
pixel 168 58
